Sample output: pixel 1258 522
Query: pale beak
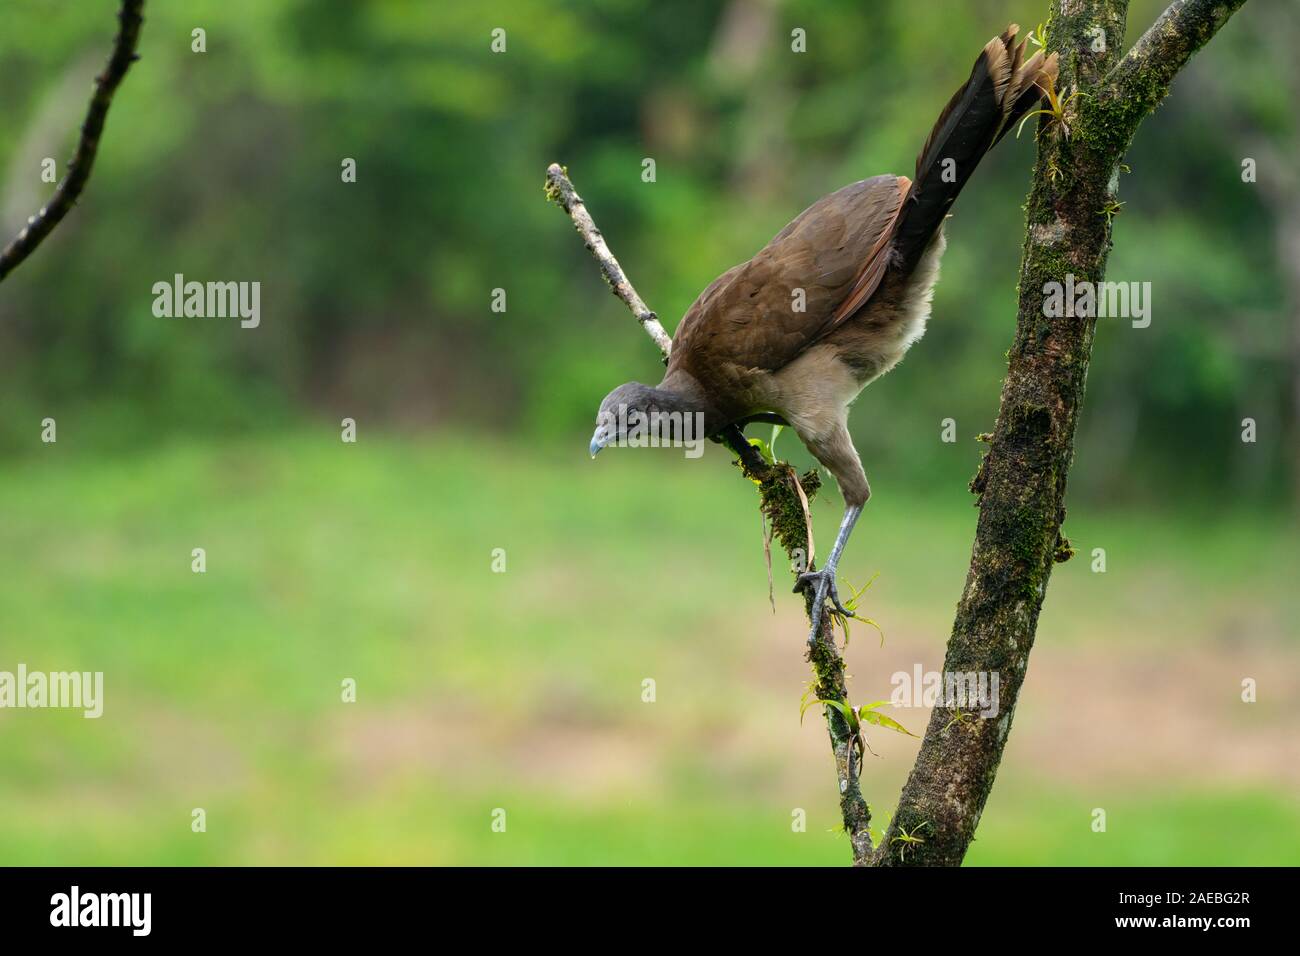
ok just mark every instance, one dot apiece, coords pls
pixel 597 443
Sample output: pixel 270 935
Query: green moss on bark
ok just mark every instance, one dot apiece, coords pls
pixel 1021 482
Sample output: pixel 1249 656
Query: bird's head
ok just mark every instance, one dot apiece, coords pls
pixel 671 415
pixel 616 416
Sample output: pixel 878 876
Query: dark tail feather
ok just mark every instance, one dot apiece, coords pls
pixel 1002 88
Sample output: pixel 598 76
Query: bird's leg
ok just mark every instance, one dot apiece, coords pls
pixel 823 581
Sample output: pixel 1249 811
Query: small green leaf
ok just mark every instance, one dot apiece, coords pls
pixel 960 717
pixel 847 712
pixel 868 714
pixel 852 605
pixel 806 703
pixel 1029 116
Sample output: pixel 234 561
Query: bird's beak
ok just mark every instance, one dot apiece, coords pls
pixel 596 444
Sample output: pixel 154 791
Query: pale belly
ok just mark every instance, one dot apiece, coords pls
pixel 814 391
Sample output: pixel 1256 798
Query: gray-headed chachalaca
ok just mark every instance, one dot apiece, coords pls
pixel 862 262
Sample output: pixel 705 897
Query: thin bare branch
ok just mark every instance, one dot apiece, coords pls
pixel 83 160
pixel 560 189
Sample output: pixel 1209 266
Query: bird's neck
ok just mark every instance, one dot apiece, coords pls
pixel 681 392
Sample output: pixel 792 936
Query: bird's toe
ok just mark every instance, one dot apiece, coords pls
pixel 835 600
pixel 808 579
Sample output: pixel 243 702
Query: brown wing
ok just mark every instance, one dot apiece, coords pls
pixel 835 251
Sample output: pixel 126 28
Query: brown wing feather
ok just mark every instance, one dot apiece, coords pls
pixel 834 251
pixel 873 269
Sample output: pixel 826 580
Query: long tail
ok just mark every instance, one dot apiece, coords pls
pixel 1002 88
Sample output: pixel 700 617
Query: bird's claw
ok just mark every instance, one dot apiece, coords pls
pixel 823 584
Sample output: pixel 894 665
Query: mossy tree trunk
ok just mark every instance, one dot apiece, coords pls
pixel 1021 481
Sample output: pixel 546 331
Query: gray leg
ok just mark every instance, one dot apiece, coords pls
pixel 823 581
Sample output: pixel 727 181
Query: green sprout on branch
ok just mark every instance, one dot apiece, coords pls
pixel 852 605
pixel 1056 107
pixel 855 717
pixel 908 838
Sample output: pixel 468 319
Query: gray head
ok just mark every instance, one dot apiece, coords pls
pixel 613 419
pixel 636 414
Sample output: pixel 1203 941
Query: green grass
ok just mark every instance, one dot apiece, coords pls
pixel 522 690
pixel 1039 827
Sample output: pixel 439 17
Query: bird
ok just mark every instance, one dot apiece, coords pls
pixel 833 301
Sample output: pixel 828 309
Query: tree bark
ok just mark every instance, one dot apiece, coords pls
pixel 1021 481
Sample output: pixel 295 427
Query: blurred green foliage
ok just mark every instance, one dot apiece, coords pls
pixel 226 165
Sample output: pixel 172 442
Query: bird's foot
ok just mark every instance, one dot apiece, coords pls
pixel 823 584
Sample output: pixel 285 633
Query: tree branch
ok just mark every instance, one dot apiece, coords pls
pixel 1021 481
pixel 78 172
pixel 781 504
pixel 560 190
pixel 1143 77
